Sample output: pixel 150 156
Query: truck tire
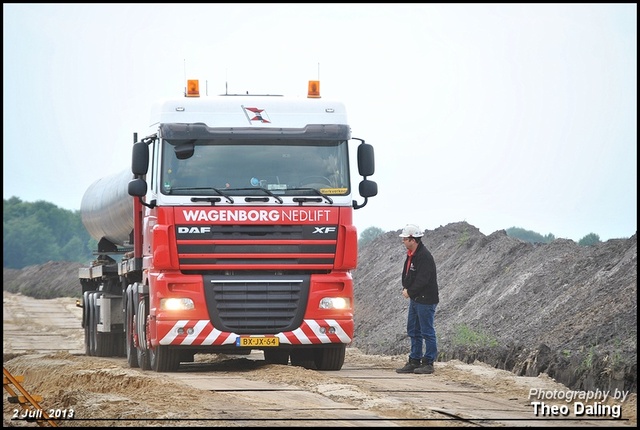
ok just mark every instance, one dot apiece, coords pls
pixel 102 342
pixel 93 323
pixel 129 327
pixel 141 330
pixel 188 356
pixel 164 359
pixel 276 356
pixel 85 323
pixel 119 345
pixel 330 357
pixel 303 358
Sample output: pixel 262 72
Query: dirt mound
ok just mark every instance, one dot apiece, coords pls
pixel 558 308
pixel 44 281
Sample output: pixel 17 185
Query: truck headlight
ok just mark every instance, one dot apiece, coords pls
pixel 176 304
pixel 334 303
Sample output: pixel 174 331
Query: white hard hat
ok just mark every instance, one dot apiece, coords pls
pixel 411 230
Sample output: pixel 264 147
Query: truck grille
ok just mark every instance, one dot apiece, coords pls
pixel 256 304
pixel 256 247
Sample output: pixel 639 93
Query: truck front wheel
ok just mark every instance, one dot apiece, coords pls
pixel 276 356
pixel 164 359
pixel 141 330
pixel 129 325
pixel 330 357
pixel 303 358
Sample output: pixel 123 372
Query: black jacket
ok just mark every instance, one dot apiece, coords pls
pixel 421 280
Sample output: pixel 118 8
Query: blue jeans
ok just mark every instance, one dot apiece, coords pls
pixel 422 332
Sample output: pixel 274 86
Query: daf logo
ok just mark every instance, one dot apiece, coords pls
pixel 196 230
pixel 324 230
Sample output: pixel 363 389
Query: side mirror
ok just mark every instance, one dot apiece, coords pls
pixel 366 160
pixel 137 187
pixel 368 188
pixel 140 159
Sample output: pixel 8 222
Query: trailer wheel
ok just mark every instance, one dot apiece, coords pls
pixel 102 342
pixel 330 357
pixel 119 344
pixel 85 323
pixel 164 359
pixel 141 330
pixel 93 323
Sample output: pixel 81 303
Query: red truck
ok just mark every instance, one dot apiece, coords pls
pixel 232 231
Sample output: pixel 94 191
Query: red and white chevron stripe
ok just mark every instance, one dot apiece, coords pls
pixel 309 333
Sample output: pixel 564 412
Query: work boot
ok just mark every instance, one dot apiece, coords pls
pixel 411 365
pixel 424 369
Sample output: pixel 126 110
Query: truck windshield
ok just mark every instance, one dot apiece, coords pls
pixel 236 167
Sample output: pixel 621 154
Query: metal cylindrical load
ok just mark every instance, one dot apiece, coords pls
pixel 107 208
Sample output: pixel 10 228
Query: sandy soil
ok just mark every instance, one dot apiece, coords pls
pixel 111 394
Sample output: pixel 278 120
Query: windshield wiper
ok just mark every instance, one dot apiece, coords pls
pixel 261 189
pixel 203 199
pixel 301 199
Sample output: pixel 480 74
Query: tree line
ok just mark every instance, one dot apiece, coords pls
pixel 39 232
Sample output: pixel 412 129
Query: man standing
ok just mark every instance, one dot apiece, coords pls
pixel 420 286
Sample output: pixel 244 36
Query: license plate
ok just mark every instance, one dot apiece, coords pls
pixel 255 341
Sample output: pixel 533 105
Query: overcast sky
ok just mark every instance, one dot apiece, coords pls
pixel 515 115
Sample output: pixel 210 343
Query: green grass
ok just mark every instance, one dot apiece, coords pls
pixel 466 336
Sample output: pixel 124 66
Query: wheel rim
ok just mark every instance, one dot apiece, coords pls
pixel 141 319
